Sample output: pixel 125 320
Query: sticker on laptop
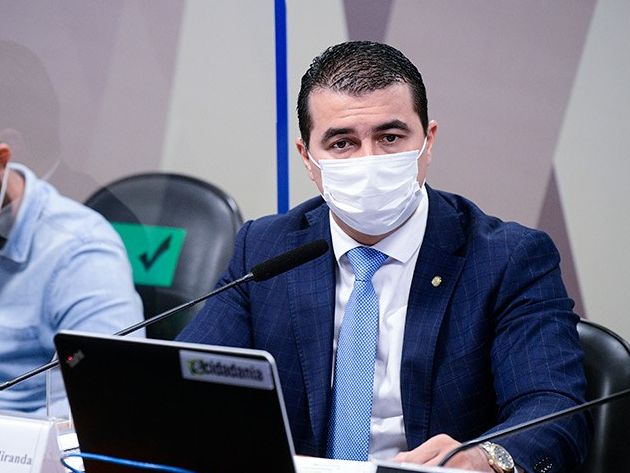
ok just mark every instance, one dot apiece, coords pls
pixel 232 370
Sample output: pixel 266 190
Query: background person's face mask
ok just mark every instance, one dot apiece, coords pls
pixel 3 186
pixel 372 194
pixel 5 215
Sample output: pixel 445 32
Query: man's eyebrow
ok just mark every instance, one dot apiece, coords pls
pixel 392 125
pixel 332 132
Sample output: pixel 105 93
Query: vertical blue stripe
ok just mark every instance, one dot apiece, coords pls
pixel 282 119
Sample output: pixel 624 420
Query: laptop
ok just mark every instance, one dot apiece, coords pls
pixel 197 407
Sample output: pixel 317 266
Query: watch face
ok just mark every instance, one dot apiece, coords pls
pixel 501 456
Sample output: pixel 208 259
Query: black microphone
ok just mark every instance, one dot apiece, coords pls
pixel 260 272
pixel 534 422
pixel 288 260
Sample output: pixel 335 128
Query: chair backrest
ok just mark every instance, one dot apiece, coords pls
pixel 607 368
pixel 179 232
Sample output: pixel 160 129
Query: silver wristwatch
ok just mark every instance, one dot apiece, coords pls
pixel 498 457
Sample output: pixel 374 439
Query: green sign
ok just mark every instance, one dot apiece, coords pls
pixel 153 251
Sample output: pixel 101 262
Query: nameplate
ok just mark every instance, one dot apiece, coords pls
pixel 28 444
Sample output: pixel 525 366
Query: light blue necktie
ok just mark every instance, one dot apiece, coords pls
pixel 351 411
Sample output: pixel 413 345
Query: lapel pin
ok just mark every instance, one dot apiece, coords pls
pixel 436 281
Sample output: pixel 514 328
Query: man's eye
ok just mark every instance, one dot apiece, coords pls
pixel 340 144
pixel 390 138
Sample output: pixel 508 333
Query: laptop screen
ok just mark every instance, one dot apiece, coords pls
pixel 198 407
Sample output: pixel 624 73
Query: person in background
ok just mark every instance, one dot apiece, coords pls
pixel 429 323
pixel 62 266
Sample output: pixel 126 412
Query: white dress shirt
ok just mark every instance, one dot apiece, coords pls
pixel 392 282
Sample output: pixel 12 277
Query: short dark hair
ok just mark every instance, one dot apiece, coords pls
pixel 357 67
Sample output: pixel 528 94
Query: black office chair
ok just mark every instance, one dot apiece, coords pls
pixel 607 367
pixel 179 233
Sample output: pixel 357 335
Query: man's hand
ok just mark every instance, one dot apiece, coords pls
pixel 433 450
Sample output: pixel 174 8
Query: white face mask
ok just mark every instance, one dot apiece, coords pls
pixel 3 186
pixel 5 215
pixel 373 194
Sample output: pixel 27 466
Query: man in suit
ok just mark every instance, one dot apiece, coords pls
pixel 475 331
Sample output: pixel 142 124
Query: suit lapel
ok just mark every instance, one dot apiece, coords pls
pixel 437 270
pixel 312 300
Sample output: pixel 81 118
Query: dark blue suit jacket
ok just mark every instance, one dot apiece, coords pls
pixel 493 345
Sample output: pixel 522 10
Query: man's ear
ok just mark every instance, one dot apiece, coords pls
pixel 303 150
pixel 13 139
pixel 5 154
pixel 431 136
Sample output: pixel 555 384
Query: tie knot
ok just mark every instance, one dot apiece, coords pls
pixel 365 261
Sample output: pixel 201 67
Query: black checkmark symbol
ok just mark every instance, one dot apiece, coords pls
pixel 149 261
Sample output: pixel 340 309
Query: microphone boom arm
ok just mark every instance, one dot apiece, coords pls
pixel 151 320
pixel 156 318
pixel 533 423
pixel 260 272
